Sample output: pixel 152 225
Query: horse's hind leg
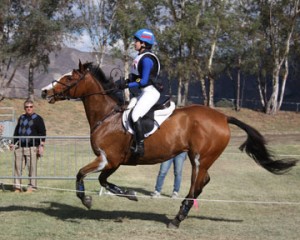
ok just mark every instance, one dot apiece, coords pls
pixel 186 205
pixel 114 188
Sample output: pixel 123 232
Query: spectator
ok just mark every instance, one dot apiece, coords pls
pixel 27 150
pixel 164 168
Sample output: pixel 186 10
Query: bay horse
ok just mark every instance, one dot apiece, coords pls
pixel 199 130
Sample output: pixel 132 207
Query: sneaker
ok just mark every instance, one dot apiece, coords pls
pixel 155 194
pixel 174 195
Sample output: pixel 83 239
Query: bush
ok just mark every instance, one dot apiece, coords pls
pixel 225 103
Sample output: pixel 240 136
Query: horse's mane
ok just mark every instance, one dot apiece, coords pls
pixel 106 83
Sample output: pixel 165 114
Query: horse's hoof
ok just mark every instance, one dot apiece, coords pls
pixel 131 195
pixel 87 201
pixel 174 224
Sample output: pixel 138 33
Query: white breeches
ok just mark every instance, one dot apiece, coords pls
pixel 146 100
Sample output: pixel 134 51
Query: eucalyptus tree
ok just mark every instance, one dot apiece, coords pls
pixel 8 20
pixel 179 35
pixel 217 22
pixel 239 50
pixel 278 21
pixel 99 17
pixel 260 45
pixel 33 29
pixel 271 28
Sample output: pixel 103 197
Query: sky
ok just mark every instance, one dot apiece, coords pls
pixel 83 43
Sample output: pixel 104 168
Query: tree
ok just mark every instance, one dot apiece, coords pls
pixel 36 28
pixel 177 43
pixel 99 17
pixel 278 21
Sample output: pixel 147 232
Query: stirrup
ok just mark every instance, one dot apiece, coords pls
pixel 139 149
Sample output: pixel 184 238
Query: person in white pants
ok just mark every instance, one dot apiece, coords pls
pixel 144 71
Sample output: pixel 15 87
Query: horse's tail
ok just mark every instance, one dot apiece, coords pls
pixel 255 147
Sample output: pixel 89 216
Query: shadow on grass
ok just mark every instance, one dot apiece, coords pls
pixel 67 212
pixel 70 213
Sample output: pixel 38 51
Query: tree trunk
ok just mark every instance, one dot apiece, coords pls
pixel 204 92
pixel 4 72
pixel 238 86
pixel 30 82
pixel 272 103
pixel 284 78
pixel 126 71
pixel 179 97
pixel 262 91
pixel 186 93
pixel 211 92
pixel 209 67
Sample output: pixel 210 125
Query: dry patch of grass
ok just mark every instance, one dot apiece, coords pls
pixel 68 118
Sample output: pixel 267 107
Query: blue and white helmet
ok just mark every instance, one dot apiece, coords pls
pixel 145 35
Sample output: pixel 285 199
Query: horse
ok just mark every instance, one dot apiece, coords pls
pixel 200 131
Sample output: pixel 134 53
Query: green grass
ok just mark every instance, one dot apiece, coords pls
pixel 251 208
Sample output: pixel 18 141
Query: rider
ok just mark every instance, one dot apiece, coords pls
pixel 144 71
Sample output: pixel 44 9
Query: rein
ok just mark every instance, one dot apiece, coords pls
pixel 105 92
pixel 116 109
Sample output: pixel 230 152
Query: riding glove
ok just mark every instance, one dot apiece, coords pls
pixel 122 85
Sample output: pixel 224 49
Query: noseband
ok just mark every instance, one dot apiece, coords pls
pixel 65 93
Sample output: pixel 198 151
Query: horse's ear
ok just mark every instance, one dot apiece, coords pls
pixel 80 67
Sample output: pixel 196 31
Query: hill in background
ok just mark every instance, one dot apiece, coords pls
pixel 60 63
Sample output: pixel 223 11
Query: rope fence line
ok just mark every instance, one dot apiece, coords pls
pixel 103 193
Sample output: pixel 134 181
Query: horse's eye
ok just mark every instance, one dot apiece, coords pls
pixel 69 78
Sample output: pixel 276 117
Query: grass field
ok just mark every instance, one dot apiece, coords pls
pixel 241 202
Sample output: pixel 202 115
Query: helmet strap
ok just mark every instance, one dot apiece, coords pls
pixel 143 46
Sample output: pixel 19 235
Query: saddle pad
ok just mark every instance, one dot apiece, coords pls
pixel 159 116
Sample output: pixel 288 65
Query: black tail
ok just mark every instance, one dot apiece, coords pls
pixel 255 147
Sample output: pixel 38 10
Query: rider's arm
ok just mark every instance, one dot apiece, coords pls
pixel 147 65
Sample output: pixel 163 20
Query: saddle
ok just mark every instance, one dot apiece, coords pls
pixel 152 120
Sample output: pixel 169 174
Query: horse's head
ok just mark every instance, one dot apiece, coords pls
pixel 68 86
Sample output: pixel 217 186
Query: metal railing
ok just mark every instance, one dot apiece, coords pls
pixel 7 121
pixel 63 157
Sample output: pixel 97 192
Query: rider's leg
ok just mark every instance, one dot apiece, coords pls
pixel 146 100
pixel 139 137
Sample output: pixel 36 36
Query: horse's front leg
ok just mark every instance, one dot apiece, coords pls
pixel 97 165
pixel 86 200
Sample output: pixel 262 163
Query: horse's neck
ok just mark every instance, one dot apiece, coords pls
pixel 97 107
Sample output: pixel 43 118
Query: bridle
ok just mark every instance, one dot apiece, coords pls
pixel 65 93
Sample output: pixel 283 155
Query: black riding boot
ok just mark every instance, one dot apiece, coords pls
pixel 139 138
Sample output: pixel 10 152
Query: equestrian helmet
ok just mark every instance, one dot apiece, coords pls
pixel 145 35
